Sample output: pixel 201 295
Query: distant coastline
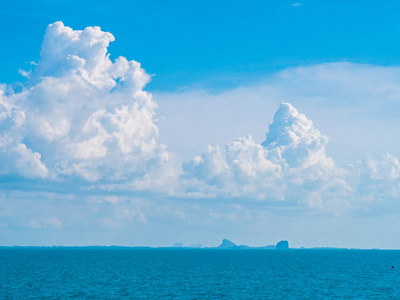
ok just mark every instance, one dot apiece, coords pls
pixel 225 245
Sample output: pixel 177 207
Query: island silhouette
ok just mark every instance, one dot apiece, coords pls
pixel 227 244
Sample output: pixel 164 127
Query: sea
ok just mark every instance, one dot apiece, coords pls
pixel 132 273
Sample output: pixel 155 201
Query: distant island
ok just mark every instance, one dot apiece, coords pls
pixel 282 245
pixel 226 244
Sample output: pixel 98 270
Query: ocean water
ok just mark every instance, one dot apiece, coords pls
pixel 82 273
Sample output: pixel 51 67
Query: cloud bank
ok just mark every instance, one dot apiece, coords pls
pixel 84 118
pixel 84 126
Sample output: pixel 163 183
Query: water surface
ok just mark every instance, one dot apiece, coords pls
pixel 90 273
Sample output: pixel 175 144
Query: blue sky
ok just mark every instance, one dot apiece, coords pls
pixel 185 121
pixel 217 42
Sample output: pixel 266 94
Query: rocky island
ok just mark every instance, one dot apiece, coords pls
pixel 227 244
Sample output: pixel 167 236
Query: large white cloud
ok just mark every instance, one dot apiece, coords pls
pixel 291 165
pixel 82 115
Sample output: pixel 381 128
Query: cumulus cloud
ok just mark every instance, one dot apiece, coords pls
pixel 293 139
pixel 290 165
pixel 355 105
pixel 82 115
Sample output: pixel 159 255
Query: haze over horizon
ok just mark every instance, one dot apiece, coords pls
pixel 95 150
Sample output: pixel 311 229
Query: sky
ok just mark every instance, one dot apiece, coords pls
pixel 156 122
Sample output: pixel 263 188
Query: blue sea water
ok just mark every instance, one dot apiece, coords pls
pixel 84 273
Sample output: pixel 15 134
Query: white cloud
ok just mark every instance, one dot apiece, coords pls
pixel 25 73
pixel 29 163
pixel 240 168
pixel 356 105
pixel 291 165
pixel 82 115
pixel 293 139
